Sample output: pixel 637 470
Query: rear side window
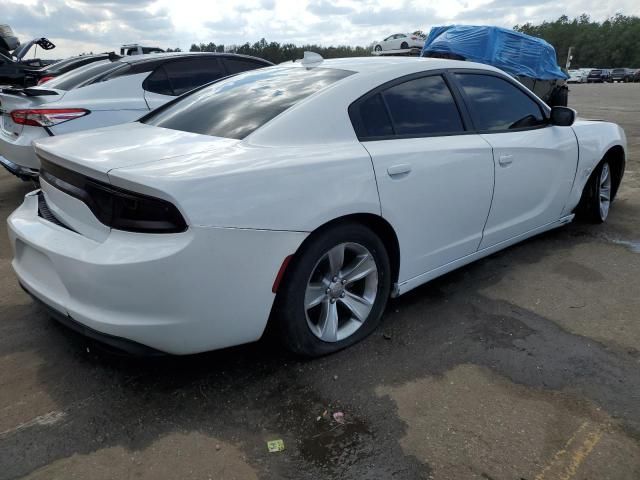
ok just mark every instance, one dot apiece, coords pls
pixel 498 105
pixel 158 82
pixel 82 75
pixel 416 108
pixel 185 75
pixel 376 121
pixel 238 105
pixel 238 65
pixel 423 106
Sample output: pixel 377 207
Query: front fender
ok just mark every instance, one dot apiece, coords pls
pixel 595 139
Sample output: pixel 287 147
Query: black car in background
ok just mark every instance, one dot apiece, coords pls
pixel 14 66
pixel 599 75
pixel 64 66
pixel 622 75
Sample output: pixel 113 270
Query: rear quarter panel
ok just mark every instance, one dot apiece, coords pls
pixel 271 188
pixel 595 139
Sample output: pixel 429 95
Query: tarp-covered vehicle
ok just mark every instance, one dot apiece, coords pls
pixel 529 59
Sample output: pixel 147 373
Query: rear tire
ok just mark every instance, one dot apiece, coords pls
pixel 595 203
pixel 378 48
pixel 334 292
pixel 404 46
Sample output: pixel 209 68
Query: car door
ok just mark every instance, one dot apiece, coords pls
pixel 178 76
pixel 397 41
pixel 535 162
pixel 435 179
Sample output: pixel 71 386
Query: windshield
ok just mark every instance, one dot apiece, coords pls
pixel 239 105
pixel 78 77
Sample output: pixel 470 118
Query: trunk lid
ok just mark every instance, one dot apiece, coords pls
pixel 95 152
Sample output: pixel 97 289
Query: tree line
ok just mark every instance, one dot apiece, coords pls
pixel 281 52
pixel 612 43
pixel 615 42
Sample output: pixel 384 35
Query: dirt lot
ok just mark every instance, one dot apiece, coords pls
pixel 525 365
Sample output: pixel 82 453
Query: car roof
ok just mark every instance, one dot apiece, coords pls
pixel 134 59
pixel 392 63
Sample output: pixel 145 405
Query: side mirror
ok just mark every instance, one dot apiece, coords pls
pixel 562 116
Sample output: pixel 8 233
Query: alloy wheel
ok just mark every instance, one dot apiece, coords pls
pixel 605 191
pixel 341 292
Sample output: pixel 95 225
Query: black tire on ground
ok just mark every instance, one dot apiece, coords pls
pixel 289 308
pixel 378 48
pixel 588 210
pixel 404 45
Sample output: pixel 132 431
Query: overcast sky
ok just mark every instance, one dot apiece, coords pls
pixel 77 26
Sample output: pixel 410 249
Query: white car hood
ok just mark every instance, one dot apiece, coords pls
pixel 96 152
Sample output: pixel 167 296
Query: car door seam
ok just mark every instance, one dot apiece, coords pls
pixel 375 177
pixel 493 191
pixel 575 174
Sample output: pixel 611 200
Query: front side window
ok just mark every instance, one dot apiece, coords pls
pixel 238 105
pixel 498 105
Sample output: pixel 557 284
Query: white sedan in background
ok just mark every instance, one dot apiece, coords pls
pixel 578 76
pixel 400 41
pixel 102 94
pixel 304 194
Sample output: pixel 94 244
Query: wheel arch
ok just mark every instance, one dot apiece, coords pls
pixel 617 161
pixel 381 227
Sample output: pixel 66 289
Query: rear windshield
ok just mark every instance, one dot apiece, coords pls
pixel 596 72
pixel 619 70
pixel 81 75
pixel 239 105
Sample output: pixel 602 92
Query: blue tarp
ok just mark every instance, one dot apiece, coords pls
pixel 513 52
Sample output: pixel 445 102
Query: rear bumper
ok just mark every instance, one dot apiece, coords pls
pixel 23 173
pixel 117 343
pixel 19 151
pixel 204 289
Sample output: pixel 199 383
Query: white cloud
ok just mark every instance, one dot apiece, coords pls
pixel 102 25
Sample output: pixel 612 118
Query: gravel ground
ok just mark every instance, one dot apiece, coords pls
pixel 524 365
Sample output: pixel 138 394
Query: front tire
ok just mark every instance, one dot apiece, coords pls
pixel 335 291
pixel 596 198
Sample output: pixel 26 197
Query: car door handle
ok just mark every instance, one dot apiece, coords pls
pixel 505 160
pixel 399 170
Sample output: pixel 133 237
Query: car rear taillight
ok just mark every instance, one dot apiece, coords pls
pixel 116 207
pixel 47 117
pixel 44 79
pixel 414 38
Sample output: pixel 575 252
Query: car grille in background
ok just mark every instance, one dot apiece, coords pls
pixel 44 212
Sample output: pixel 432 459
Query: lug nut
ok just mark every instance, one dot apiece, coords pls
pixel 342 295
pixel 344 281
pixel 327 291
pixel 335 279
pixel 333 300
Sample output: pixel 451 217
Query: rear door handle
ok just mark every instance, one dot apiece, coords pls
pixel 505 160
pixel 399 170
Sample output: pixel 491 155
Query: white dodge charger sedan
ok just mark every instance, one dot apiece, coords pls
pixel 305 195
